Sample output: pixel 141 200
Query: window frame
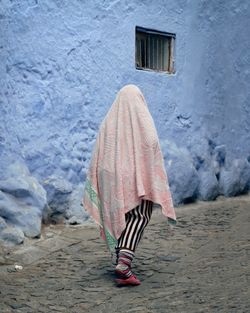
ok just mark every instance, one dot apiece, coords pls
pixel 171 50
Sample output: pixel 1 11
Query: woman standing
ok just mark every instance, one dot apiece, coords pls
pixel 126 179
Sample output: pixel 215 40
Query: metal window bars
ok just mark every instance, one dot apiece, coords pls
pixel 154 50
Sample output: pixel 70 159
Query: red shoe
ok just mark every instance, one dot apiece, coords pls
pixel 128 281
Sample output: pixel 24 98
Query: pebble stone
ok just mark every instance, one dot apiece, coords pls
pixel 201 265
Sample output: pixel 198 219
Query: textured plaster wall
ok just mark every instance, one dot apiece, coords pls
pixel 61 64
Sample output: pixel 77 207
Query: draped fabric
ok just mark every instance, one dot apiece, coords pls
pixel 126 166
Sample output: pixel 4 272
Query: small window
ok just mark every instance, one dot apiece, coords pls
pixel 154 50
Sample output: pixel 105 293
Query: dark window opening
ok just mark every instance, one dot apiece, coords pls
pixel 154 50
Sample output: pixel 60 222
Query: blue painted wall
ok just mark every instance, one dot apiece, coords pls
pixel 62 62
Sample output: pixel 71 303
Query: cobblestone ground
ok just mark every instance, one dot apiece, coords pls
pixel 201 265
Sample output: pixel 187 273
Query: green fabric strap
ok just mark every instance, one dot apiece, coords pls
pixel 93 196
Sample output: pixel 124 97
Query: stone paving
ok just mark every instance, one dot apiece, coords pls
pixel 201 265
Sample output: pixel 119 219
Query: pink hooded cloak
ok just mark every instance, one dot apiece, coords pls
pixel 126 166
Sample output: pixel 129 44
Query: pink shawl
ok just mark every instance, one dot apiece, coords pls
pixel 126 166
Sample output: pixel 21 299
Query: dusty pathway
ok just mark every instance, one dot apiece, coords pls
pixel 202 265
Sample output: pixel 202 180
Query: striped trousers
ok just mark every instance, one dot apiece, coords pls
pixel 136 221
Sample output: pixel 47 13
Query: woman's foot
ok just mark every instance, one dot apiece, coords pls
pixel 123 269
pixel 131 281
pixel 126 278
